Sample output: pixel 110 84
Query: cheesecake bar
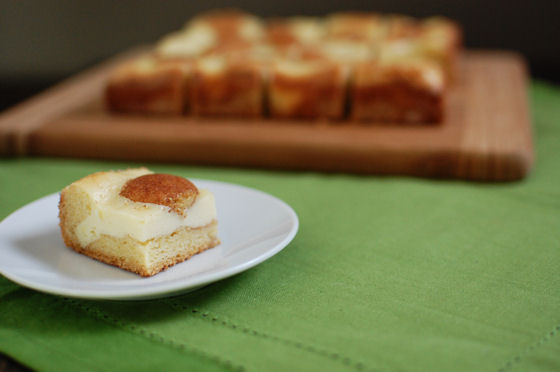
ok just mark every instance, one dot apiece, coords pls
pixel 227 86
pixel 310 89
pixel 403 91
pixel 149 85
pixel 137 220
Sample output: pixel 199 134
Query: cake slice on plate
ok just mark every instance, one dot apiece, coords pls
pixel 137 220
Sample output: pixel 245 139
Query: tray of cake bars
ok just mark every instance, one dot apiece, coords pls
pixel 350 92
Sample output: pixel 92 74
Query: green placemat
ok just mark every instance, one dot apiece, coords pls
pixel 386 273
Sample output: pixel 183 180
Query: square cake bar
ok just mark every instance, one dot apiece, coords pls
pixel 310 89
pixel 149 86
pixel 407 91
pixel 227 86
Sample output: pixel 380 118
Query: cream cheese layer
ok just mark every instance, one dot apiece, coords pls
pixel 114 215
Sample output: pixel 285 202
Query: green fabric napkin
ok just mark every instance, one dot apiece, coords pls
pixel 386 273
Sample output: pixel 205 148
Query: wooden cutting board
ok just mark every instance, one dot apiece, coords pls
pixel 486 134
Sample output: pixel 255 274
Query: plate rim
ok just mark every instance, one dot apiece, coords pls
pixel 163 289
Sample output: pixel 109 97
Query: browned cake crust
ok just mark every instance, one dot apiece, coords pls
pixel 123 264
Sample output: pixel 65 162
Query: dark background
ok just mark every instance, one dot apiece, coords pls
pixel 42 42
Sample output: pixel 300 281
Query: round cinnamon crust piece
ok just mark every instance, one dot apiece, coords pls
pixel 175 192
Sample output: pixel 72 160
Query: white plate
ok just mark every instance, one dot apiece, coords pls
pixel 252 225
